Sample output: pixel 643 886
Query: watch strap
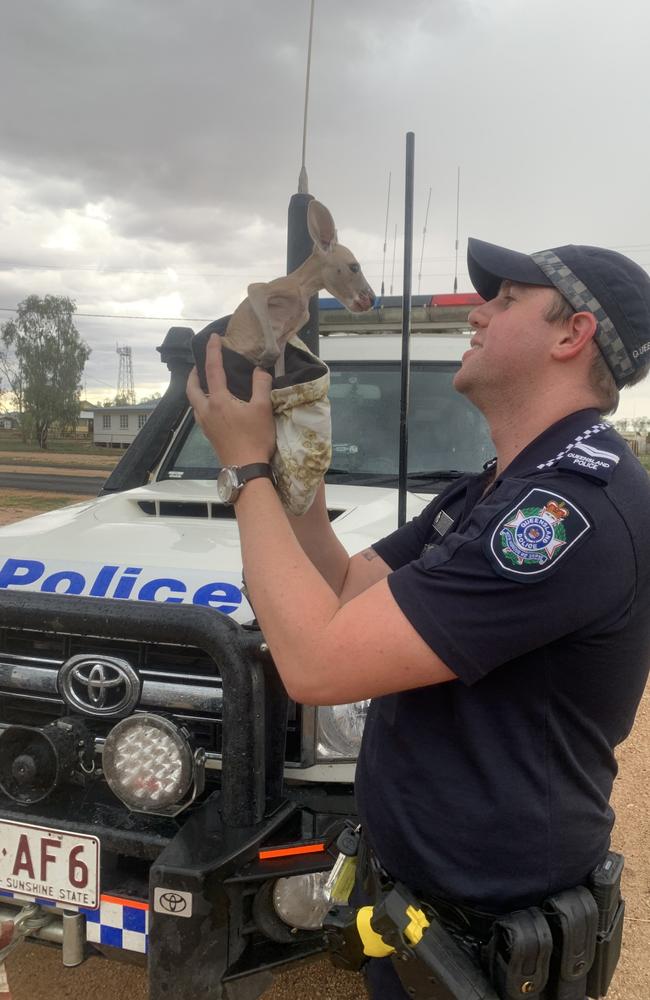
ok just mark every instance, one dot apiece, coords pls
pixel 255 470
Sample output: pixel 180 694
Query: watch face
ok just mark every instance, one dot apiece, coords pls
pixel 227 485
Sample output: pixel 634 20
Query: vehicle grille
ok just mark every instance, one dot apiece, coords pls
pixel 181 682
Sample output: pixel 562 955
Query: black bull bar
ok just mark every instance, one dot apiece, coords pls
pixel 254 700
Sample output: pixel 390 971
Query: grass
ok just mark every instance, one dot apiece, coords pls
pixel 37 502
pixel 58 446
pixel 40 460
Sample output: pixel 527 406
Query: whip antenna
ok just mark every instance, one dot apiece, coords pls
pixel 406 330
pixel 424 236
pixel 457 217
pixel 383 266
pixel 392 273
pixel 303 183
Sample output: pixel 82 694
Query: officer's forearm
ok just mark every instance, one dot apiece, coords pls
pixel 319 543
pixel 292 601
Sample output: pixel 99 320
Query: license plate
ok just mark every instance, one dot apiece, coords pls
pixel 49 864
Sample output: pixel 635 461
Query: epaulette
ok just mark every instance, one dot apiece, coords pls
pixel 585 459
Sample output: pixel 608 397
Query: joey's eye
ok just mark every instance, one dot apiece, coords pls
pixel 354 268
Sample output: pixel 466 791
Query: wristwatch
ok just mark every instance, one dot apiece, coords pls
pixel 232 479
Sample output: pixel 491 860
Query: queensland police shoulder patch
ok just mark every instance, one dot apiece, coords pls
pixel 536 534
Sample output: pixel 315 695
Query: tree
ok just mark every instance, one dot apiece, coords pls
pixel 115 401
pixel 49 358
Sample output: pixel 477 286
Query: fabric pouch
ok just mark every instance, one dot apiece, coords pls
pixel 301 409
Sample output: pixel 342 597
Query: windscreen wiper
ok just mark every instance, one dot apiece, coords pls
pixel 436 474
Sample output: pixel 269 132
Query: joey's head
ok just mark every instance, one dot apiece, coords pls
pixel 341 272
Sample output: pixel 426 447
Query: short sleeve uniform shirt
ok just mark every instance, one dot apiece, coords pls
pixel 494 788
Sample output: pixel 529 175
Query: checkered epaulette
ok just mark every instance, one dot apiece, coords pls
pixel 580 440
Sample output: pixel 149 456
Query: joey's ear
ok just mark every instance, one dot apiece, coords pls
pixel 321 226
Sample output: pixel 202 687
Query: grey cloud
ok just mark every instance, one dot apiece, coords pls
pixel 184 121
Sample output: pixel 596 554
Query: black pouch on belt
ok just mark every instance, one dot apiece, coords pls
pixel 518 954
pixel 605 886
pixel 573 918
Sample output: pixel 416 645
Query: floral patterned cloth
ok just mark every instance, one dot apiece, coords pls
pixel 302 414
pixel 303 427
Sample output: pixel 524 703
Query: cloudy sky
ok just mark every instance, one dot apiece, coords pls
pixel 149 147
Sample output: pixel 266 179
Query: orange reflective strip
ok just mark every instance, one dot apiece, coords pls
pixel 135 903
pixel 288 852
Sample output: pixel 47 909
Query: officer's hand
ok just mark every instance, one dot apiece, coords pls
pixel 239 432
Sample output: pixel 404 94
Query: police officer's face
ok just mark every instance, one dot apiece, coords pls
pixel 509 347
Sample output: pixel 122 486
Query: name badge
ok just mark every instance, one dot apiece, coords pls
pixel 442 522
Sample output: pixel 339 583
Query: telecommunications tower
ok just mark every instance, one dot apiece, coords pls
pixel 125 388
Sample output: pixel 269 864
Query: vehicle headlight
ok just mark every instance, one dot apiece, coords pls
pixel 339 729
pixel 300 900
pixel 148 763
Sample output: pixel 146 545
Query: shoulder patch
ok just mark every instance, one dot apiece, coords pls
pixel 536 534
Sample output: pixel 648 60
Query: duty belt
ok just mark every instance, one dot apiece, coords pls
pixel 563 949
pixel 459 918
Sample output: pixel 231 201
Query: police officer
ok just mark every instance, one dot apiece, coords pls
pixel 503 634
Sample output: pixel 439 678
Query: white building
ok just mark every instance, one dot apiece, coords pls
pixel 117 426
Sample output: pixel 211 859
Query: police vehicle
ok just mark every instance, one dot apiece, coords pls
pixel 160 797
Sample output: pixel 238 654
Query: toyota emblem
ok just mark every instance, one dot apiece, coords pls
pixel 172 902
pixel 104 686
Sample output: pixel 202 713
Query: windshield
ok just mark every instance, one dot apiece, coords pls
pixel 447 435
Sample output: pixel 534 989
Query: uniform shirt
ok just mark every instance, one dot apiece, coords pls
pixel 493 789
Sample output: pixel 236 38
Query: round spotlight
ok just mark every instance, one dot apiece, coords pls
pixel 301 901
pixel 148 763
pixel 34 761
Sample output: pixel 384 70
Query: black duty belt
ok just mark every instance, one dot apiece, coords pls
pixel 563 949
pixel 462 919
pixel 458 917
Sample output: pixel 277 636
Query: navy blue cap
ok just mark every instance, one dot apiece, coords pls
pixel 591 279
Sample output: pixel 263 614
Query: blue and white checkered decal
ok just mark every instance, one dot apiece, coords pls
pixel 120 923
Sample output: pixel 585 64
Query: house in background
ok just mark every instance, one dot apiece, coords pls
pixel 84 425
pixel 117 426
pixel 637 440
pixel 9 421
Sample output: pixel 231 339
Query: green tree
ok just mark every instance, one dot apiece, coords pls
pixel 49 358
pixel 115 401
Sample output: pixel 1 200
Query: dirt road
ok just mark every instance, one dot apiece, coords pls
pixel 36 972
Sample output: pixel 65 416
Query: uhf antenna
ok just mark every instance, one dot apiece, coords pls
pixel 406 330
pixel 424 236
pixel 457 217
pixel 303 183
pixel 392 273
pixel 383 266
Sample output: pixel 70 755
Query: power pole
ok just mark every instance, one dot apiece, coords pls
pixel 125 387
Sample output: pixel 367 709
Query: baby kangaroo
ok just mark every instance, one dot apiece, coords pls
pixel 276 310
